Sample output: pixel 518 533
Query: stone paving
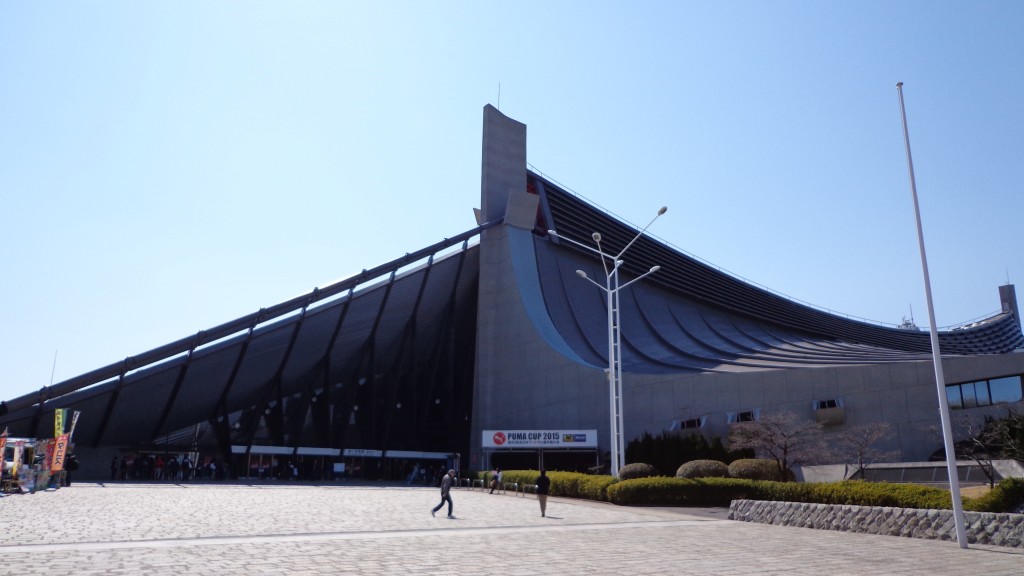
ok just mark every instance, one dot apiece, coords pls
pixel 229 529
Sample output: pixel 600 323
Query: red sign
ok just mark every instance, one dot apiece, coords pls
pixel 499 438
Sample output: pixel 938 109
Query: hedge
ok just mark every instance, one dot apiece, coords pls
pixel 1007 496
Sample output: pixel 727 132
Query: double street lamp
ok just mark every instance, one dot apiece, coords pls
pixel 611 289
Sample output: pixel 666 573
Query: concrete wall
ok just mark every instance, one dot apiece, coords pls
pixel 981 527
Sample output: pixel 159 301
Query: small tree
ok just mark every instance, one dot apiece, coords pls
pixel 783 437
pixel 856 446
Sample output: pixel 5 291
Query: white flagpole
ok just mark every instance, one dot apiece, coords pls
pixel 940 380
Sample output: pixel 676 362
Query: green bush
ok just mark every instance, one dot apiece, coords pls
pixel 570 484
pixel 1007 496
pixel 669 449
pixel 755 469
pixel 664 491
pixel 703 469
pixel 637 470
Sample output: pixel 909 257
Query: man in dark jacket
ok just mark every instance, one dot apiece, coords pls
pixel 446 496
pixel 543 486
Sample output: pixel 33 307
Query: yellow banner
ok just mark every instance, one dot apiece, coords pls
pixel 19 445
pixel 58 421
pixel 60 452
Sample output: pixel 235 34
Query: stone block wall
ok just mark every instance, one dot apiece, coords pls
pixel 982 527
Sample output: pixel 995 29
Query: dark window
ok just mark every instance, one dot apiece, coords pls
pixel 691 423
pixel 747 416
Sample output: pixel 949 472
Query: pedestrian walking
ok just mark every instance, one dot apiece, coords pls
pixel 543 486
pixel 446 496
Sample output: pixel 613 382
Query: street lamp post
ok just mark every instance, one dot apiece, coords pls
pixel 611 289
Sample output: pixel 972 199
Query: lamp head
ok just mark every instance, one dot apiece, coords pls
pixel 663 210
pixel 552 233
pixel 654 269
pixel 581 273
pixel 596 236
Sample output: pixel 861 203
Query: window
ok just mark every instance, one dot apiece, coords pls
pixel 953 397
pixel 748 416
pixel 823 404
pixel 984 392
pixel 1005 389
pixel 970 400
pixel 689 424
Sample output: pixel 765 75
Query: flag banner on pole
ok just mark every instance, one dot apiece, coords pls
pixel 74 420
pixel 18 447
pixel 58 421
pixel 60 452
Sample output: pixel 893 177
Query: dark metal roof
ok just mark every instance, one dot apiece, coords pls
pixel 692 317
pixel 294 353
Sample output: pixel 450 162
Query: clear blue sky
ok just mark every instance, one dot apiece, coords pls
pixel 169 166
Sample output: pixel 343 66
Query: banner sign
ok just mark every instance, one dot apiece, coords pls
pixel 74 420
pixel 362 452
pixel 539 439
pixel 58 421
pixel 3 446
pixel 19 446
pixel 60 452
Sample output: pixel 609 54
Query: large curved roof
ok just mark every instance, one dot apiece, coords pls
pixel 407 326
pixel 691 317
pixel 389 327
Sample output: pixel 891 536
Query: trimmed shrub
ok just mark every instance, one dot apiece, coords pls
pixel 571 484
pixel 755 469
pixel 667 450
pixel 703 469
pixel 637 470
pixel 1007 496
pixel 663 491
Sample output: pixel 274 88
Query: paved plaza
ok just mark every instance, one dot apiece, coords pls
pixel 228 529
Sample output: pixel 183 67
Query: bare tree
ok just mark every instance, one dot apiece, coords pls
pixel 857 446
pixel 783 437
pixel 983 444
pixel 987 438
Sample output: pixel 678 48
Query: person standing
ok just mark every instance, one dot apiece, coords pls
pixel 446 496
pixel 543 486
pixel 496 479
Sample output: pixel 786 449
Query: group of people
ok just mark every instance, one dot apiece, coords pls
pixel 154 467
pixel 543 488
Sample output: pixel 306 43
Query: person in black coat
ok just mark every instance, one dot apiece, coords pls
pixel 70 466
pixel 543 486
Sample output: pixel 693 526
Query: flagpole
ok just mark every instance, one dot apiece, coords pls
pixel 940 380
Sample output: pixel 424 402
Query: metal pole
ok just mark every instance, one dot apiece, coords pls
pixel 940 380
pixel 620 432
pixel 613 424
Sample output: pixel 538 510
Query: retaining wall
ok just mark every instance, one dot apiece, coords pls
pixel 982 527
